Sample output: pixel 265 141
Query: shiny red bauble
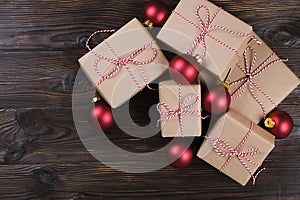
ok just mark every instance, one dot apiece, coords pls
pixel 157 12
pixel 283 124
pixel 182 70
pixel 103 114
pixel 216 100
pixel 181 156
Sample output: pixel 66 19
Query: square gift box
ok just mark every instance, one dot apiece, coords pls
pixel 259 82
pixel 237 147
pixel 200 27
pixel 124 63
pixel 180 109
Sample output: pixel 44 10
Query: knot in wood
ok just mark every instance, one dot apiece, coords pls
pixel 77 197
pixel 32 122
pixel 81 41
pixel 282 35
pixel 45 176
pixel 68 82
pixel 14 152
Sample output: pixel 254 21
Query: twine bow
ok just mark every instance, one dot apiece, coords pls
pixel 206 26
pixel 184 109
pixel 224 149
pixel 122 62
pixel 248 79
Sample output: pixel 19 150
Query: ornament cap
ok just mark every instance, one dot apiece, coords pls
pixel 269 123
pixel 226 85
pixel 148 23
pixel 95 99
pixel 199 59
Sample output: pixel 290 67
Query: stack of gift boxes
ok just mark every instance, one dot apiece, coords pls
pixel 128 60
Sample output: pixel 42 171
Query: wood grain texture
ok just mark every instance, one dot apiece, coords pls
pixel 96 181
pixel 41 155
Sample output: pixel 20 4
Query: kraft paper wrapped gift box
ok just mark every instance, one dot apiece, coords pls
pixel 223 35
pixel 131 77
pixel 172 97
pixel 259 82
pixel 235 144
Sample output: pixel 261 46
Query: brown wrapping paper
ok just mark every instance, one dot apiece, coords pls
pixel 180 35
pixel 169 93
pixel 120 88
pixel 277 82
pixel 233 127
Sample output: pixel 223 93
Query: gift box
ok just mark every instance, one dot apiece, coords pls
pixel 237 147
pixel 261 80
pixel 124 63
pixel 201 28
pixel 180 109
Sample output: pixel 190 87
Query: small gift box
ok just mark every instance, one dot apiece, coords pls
pixel 259 82
pixel 124 63
pixel 180 109
pixel 203 30
pixel 237 147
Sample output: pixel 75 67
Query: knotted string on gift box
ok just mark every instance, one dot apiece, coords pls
pixel 183 109
pixel 206 26
pixel 122 62
pixel 224 149
pixel 250 74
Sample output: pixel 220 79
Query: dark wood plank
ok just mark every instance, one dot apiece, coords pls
pixel 49 136
pixel 95 181
pixel 47 76
pixel 52 25
pixel 45 79
pixel 37 79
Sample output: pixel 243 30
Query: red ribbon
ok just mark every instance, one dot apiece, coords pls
pixel 184 109
pixel 122 62
pixel 250 74
pixel 224 149
pixel 206 26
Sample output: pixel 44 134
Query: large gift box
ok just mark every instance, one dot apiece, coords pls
pixel 124 63
pixel 199 27
pixel 237 147
pixel 259 82
pixel 180 109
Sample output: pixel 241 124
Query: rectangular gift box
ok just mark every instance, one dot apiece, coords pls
pixel 169 94
pixel 183 27
pixel 231 129
pixel 269 85
pixel 131 77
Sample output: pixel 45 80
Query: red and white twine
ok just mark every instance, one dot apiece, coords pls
pixel 250 74
pixel 206 26
pixel 224 149
pixel 122 62
pixel 183 109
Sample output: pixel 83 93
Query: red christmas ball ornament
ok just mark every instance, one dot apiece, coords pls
pixel 102 112
pixel 217 100
pixel 155 13
pixel 182 70
pixel 279 123
pixel 181 156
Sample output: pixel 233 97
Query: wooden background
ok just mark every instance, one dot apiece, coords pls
pixel 41 155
